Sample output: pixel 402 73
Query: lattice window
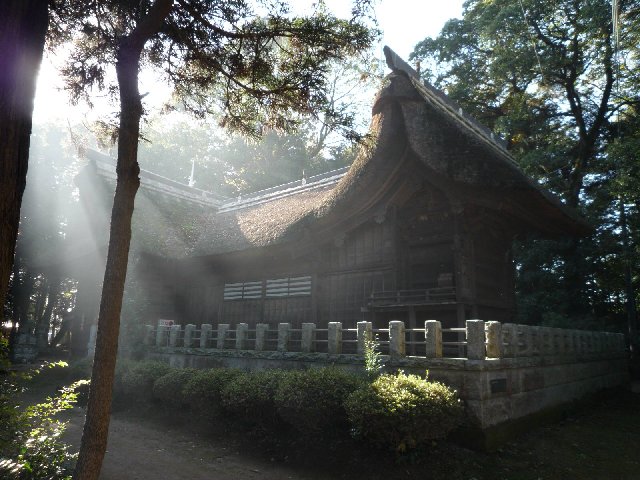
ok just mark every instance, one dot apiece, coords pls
pixel 289 287
pixel 242 290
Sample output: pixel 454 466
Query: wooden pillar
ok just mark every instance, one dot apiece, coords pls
pixel 412 333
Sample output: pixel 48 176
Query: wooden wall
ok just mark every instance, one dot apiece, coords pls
pixel 407 248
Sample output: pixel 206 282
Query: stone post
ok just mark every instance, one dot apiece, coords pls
pixel 189 330
pixel 527 340
pixel 493 333
pixel 547 341
pixel 284 332
pixel 148 335
pixel 397 343
pixel 174 334
pixel 308 343
pixel 475 340
pixel 242 333
pixel 261 336
pixel 433 338
pixel 91 345
pixel 223 332
pixel 510 340
pixel 365 333
pixel 536 340
pixel 598 342
pixel 205 334
pixel 558 341
pixel 162 336
pixel 587 342
pixel 575 342
pixel 622 344
pixel 334 337
pixel 566 341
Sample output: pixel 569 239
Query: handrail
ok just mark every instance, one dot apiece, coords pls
pixel 477 340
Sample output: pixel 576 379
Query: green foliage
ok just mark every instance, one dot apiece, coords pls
pixel 81 369
pixel 137 381
pixel 402 411
pixel 397 411
pixel 548 77
pixel 30 438
pixel 203 390
pixel 169 388
pixel 258 67
pixel 48 210
pixel 4 353
pixel 312 400
pixel 251 396
pixel 373 364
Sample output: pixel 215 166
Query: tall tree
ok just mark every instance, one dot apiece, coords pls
pixel 261 64
pixel 550 78
pixel 23 27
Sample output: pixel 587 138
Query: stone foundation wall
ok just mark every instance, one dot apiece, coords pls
pixel 509 372
pixel 494 390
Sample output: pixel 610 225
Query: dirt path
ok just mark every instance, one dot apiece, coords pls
pixel 598 441
pixel 143 450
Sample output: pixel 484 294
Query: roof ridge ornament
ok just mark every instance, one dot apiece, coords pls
pixel 395 62
pixel 443 101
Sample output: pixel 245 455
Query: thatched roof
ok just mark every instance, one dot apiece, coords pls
pixel 259 225
pixel 411 122
pixel 417 134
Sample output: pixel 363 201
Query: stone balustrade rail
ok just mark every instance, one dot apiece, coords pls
pixel 478 340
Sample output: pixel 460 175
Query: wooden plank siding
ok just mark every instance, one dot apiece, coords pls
pixel 422 244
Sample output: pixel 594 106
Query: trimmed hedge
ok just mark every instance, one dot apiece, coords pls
pixel 398 411
pixel 202 391
pixel 250 395
pixel 403 411
pixel 169 388
pixel 312 400
pixel 137 381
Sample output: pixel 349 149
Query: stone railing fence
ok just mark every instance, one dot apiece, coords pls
pixel 478 340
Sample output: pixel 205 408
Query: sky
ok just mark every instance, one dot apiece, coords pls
pixel 403 23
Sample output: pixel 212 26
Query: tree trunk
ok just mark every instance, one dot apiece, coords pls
pixel 22 300
pixel 630 304
pixel 23 26
pixel 44 322
pixel 96 428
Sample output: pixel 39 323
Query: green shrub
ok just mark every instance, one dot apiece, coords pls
pixel 122 367
pixel 137 381
pixel 402 411
pixel 251 396
pixel 312 400
pixel 169 388
pixel 202 391
pixel 30 438
pixel 373 364
pixel 81 369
